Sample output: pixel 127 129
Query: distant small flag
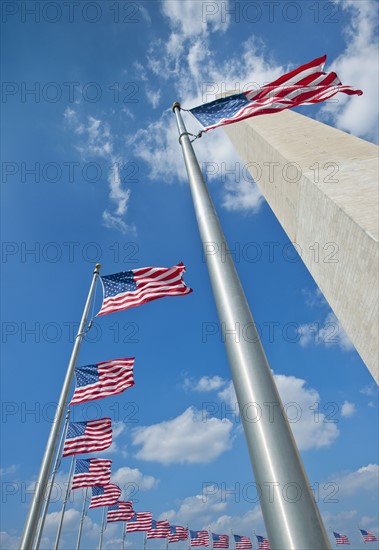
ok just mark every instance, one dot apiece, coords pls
pixel 159 530
pixel 105 496
pixel 367 536
pixel 340 539
pixel 263 543
pixel 93 471
pixel 102 380
pixel 86 437
pixel 121 511
pixel 220 541
pixel 199 538
pixel 305 85
pixel 139 286
pixel 141 521
pixel 177 533
pixel 242 543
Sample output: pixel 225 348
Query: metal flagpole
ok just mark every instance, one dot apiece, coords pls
pixel 210 544
pixel 144 540
pixel 57 464
pixel 232 537
pixel 123 536
pixel 65 502
pixel 289 509
pixel 102 528
pixel 82 519
pixel 36 504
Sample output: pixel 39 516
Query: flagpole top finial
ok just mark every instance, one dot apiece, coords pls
pixel 176 105
pixel 97 267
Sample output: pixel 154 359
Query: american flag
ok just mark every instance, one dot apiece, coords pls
pixel 139 286
pixel 177 533
pixel 103 379
pixel 141 521
pixel 367 536
pixel 104 496
pixel 159 530
pixel 263 543
pixel 305 85
pixel 242 542
pixel 94 471
pixel 220 541
pixel 341 539
pixel 121 511
pixel 86 437
pixel 199 538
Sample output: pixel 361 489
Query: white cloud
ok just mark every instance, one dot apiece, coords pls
pixel 204 384
pixel 153 97
pixel 9 542
pixel 370 390
pixel 191 18
pixel 357 66
pixel 97 141
pixel 348 409
pixel 125 476
pixel 329 334
pixel 199 508
pixel 313 298
pixel 189 438
pixel 310 427
pixel 12 469
pixel 363 479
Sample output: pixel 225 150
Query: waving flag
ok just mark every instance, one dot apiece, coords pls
pixel 341 539
pixel 220 541
pixel 86 437
pixel 159 530
pixel 177 533
pixel 121 511
pixel 139 286
pixel 103 379
pixel 367 536
pixel 94 471
pixel 305 85
pixel 199 538
pixel 242 542
pixel 104 496
pixel 141 521
pixel 263 543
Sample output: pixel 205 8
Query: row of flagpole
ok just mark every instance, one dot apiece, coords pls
pixel 288 525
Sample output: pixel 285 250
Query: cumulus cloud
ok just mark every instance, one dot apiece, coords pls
pixel 309 425
pixel 358 66
pixel 363 479
pixel 348 409
pixel 329 333
pixel 313 297
pixel 191 18
pixel 189 438
pixel 9 470
pixel 204 384
pixel 125 477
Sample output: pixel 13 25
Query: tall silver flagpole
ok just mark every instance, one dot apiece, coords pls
pixel 57 464
pixel 68 490
pixel 289 510
pixel 82 519
pixel 123 536
pixel 37 500
pixel 102 528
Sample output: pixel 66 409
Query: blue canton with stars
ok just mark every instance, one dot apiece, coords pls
pixel 86 375
pixel 211 113
pixel 76 429
pixel 118 283
pixel 97 491
pixel 82 466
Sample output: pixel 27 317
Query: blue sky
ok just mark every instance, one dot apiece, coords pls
pixel 92 171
